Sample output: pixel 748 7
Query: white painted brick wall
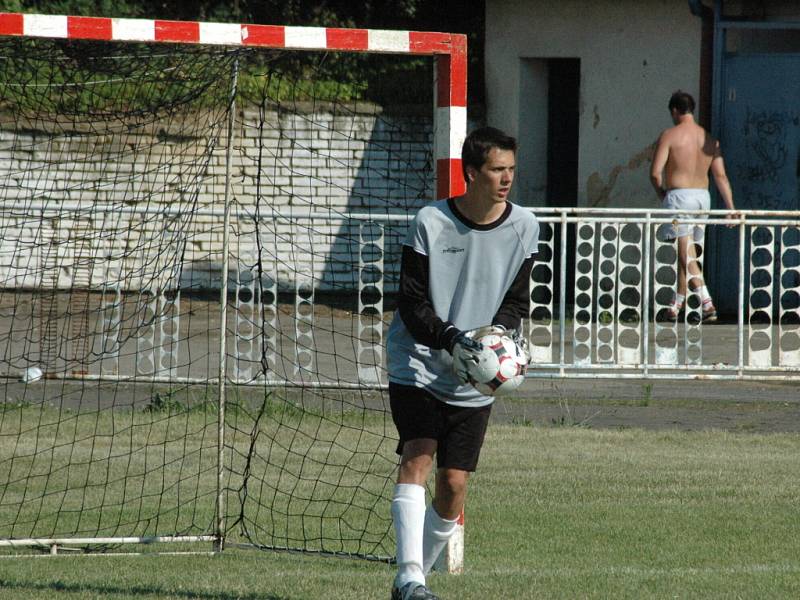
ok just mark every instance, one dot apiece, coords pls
pixel 322 162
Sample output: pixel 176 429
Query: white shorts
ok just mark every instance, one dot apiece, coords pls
pixel 685 199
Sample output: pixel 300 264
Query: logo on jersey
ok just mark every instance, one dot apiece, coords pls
pixel 452 250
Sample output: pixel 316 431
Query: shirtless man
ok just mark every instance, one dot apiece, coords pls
pixel 683 158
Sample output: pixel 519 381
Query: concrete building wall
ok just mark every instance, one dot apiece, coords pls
pixel 633 54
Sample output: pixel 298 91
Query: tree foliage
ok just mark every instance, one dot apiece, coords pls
pixel 383 79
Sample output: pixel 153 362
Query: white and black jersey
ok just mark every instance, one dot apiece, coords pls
pixel 457 275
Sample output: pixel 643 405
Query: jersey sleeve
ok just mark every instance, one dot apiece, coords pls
pixel 515 303
pixel 415 307
pixel 514 306
pixel 532 242
pixel 416 236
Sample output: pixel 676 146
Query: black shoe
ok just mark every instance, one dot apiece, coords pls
pixel 413 591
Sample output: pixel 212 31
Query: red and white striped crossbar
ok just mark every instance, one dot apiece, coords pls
pixel 449 51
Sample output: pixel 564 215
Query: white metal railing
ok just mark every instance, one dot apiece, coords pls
pixel 612 325
pixel 598 291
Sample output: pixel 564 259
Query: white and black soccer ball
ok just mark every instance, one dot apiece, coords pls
pixel 501 368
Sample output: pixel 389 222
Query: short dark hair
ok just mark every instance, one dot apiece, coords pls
pixel 478 144
pixel 682 102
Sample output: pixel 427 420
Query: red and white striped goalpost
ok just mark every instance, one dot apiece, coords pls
pixel 448 50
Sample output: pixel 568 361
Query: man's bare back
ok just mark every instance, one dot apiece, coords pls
pixel 683 158
pixel 691 150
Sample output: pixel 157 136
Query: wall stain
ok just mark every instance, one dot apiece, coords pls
pixel 596 120
pixel 598 192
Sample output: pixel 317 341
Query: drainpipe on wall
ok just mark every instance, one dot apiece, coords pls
pixel 706 15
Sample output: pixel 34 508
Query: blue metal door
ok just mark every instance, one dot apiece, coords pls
pixel 760 137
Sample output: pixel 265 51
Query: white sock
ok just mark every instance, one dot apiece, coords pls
pixel 705 296
pixel 408 513
pixel 679 300
pixel 437 532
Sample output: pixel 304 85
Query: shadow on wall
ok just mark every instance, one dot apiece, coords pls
pixel 327 192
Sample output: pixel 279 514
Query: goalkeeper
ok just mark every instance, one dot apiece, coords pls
pixel 466 263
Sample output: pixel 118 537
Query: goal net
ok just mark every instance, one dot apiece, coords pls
pixel 199 240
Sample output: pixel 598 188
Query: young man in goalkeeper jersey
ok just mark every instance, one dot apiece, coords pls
pixel 466 263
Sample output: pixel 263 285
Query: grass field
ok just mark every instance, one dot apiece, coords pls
pixel 554 512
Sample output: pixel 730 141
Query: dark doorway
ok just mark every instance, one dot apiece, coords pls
pixel 563 102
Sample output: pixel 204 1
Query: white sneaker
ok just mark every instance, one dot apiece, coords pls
pixel 672 312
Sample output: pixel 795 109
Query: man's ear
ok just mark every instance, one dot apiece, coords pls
pixel 470 174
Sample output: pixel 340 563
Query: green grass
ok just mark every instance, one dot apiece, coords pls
pixel 553 512
pixel 295 478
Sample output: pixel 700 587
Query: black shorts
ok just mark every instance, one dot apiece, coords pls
pixel 458 430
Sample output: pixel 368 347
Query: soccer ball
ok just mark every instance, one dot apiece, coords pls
pixel 501 368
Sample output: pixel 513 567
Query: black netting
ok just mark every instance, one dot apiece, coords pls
pixel 115 164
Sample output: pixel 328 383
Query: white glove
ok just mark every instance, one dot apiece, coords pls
pixel 467 350
pixel 519 340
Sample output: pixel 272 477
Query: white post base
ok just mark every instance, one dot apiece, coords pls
pixel 451 560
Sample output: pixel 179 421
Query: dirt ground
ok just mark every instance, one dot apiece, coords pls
pixel 736 406
pixel 597 402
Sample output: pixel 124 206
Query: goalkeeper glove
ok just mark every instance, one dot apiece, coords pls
pixel 518 339
pixel 466 351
